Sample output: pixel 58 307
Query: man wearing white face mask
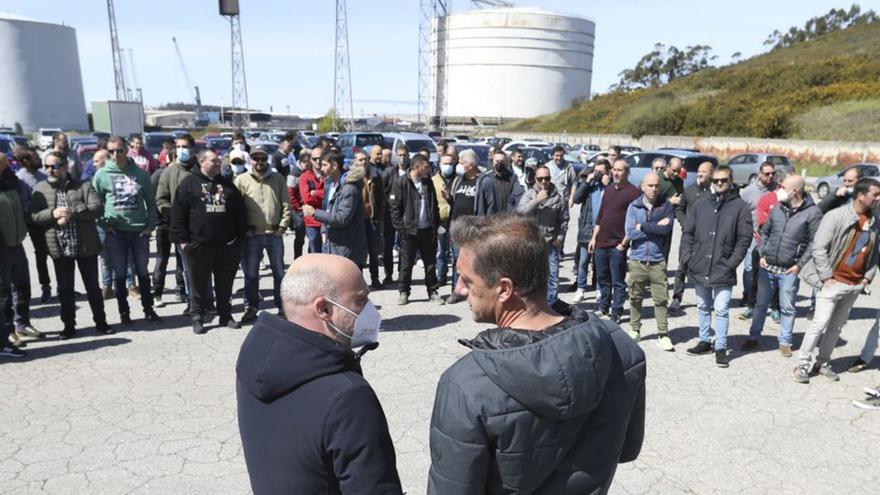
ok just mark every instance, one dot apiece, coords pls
pixel 309 421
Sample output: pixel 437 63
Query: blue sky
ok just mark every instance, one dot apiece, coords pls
pixel 288 44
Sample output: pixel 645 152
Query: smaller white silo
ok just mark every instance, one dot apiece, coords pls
pixel 41 85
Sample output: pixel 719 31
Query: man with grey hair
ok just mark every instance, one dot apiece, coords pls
pixel 462 202
pixel 309 421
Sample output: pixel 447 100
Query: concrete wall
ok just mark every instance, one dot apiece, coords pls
pixel 827 152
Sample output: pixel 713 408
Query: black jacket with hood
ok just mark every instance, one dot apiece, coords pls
pixel 716 236
pixel 207 211
pixel 309 421
pixel 549 412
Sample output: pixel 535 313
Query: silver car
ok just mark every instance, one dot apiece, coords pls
pixel 829 183
pixel 745 167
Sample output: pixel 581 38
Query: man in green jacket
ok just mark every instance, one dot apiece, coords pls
pixel 267 215
pixel 129 218
pixel 66 211
pixel 13 262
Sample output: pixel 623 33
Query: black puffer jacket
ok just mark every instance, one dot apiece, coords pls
pixel 309 421
pixel 787 235
pixel 715 239
pixel 549 412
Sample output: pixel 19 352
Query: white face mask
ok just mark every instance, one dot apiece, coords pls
pixel 459 170
pixel 782 195
pixel 238 169
pixel 446 169
pixel 366 325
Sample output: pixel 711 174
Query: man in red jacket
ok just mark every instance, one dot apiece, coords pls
pixel 297 222
pixel 311 192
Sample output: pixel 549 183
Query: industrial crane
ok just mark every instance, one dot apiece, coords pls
pixel 200 118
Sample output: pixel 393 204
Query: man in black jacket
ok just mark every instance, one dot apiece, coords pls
pixel 309 421
pixel 689 198
pixel 391 175
pixel 208 220
pixel 843 193
pixel 498 190
pixel 416 216
pixel 714 241
pixel 543 403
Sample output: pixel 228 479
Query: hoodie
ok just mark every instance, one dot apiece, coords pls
pixel 528 412
pixel 343 218
pixel 128 196
pixel 309 421
pixel 207 211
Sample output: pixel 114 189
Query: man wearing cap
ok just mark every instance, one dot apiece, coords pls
pixel 237 163
pixel 267 215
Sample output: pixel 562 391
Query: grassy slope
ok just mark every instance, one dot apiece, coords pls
pixel 770 95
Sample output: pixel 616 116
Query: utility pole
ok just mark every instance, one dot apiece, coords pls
pixel 242 117
pixel 118 75
pixel 134 76
pixel 429 10
pixel 342 106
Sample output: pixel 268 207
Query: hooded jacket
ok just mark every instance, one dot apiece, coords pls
pixel 835 233
pixel 13 228
pixel 84 203
pixel 343 218
pixel 128 196
pixel 207 211
pixel 551 214
pixel 169 181
pixel 549 412
pixel 486 202
pixel 309 421
pixel 266 201
pixel 787 235
pixel 715 239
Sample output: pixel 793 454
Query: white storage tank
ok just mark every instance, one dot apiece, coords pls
pixel 41 85
pixel 510 63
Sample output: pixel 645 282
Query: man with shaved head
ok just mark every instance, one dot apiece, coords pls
pixel 648 226
pixel 309 421
pixel 785 246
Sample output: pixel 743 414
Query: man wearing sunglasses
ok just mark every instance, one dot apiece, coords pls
pixel 766 182
pixel 714 242
pixel 546 203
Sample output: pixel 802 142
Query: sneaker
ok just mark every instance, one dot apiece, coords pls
pixel 230 323
pixel 158 302
pixel 403 299
pixel 701 348
pixel 151 315
pixel 749 345
pixel 16 341
pixel 721 358
pixel 857 365
pixel 198 328
pixel 636 336
pixel 825 370
pixel 785 350
pixel 46 294
pixel 801 374
pixel 12 351
pixel 67 333
pixel 104 328
pixel 871 403
pixel 376 285
pixel 747 314
pixel 454 299
pixel 675 307
pixel 579 295
pixel 665 343
pixel 125 319
pixel 601 313
pixel 107 293
pixel 615 317
pixel 29 331
pixel 134 293
pixel 250 314
pixel 874 391
pixel 435 298
pixel 774 315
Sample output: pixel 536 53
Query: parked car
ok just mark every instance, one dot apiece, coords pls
pixel 7 146
pixel 512 145
pixel 414 142
pixel 630 149
pixel 482 151
pixel 640 163
pixel 830 183
pixel 44 137
pixel 673 148
pixel 86 152
pixel 745 167
pixel 153 142
pixel 101 134
pixel 19 139
pixel 352 142
pixel 219 144
pixel 76 141
pixel 272 137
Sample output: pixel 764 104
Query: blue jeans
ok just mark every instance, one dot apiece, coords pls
pixel 17 307
pixel 553 280
pixel 314 236
pixel 788 288
pixel 123 245
pixel 715 299
pixel 454 249
pixel 583 266
pixel 611 278
pixel 747 272
pixel 442 252
pixel 107 276
pixel 253 253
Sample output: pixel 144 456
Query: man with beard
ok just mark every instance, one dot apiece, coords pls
pixel 67 212
pixel 498 190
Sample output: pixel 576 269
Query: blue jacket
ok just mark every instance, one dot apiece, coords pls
pixel 586 195
pixel 648 241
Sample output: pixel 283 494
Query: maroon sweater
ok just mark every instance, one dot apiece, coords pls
pixel 612 214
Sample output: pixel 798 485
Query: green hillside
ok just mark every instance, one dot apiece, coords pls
pixel 827 88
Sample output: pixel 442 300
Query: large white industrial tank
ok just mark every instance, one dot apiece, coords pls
pixel 510 63
pixel 41 84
